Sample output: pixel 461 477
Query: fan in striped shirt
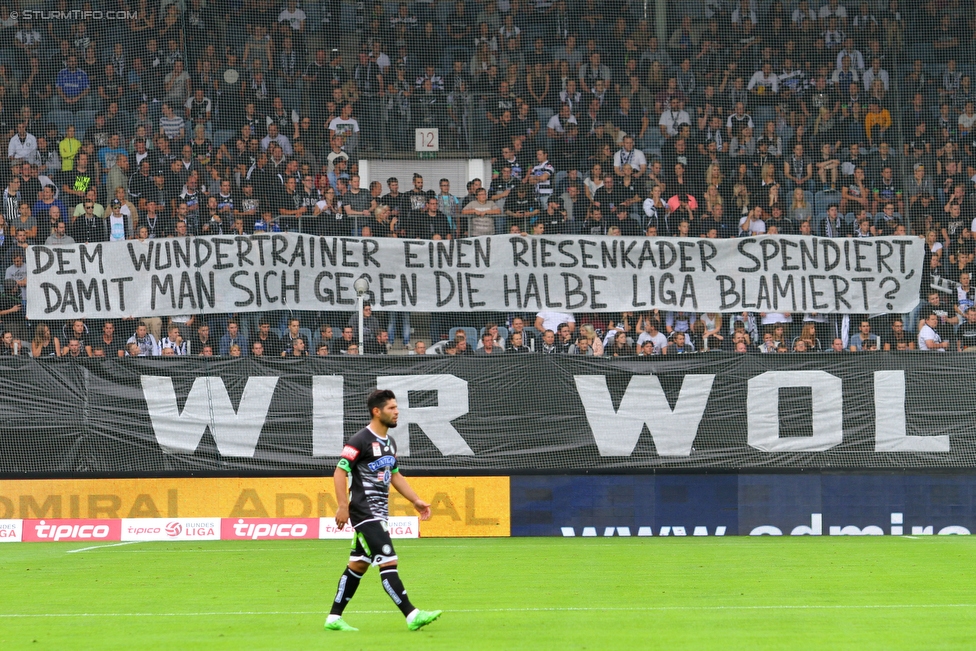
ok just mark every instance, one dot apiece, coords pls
pixel 11 200
pixel 172 124
pixel 541 176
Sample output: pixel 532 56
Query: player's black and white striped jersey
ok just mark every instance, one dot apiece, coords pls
pixel 372 462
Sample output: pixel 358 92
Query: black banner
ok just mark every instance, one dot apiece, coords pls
pixel 509 413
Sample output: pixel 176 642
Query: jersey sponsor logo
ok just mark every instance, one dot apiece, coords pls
pixel 11 530
pixel 71 530
pixel 171 529
pixel 350 453
pixel 387 461
pixel 377 449
pixel 384 476
pixel 268 528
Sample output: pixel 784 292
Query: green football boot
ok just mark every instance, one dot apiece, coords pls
pixel 423 618
pixel 339 625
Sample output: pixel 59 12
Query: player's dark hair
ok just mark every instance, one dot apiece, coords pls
pixel 378 399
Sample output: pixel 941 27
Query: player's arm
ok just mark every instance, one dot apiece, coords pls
pixel 340 478
pixel 400 483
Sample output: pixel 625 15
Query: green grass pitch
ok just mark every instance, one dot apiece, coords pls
pixel 528 593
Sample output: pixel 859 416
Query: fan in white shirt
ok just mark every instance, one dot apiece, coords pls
pixel 764 81
pixel 928 338
pixel 857 59
pixel 873 73
pixel 23 145
pixel 632 155
pixel 803 13
pixel 292 15
pixel 834 9
pixel 967 119
pixel 752 223
pixel 657 338
pixel 672 117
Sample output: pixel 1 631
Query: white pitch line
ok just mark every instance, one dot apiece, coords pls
pixel 295 548
pixel 215 551
pixel 242 613
pixel 88 549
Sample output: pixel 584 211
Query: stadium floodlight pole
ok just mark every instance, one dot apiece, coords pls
pixel 361 286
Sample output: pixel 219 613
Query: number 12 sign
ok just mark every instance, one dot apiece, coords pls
pixel 426 140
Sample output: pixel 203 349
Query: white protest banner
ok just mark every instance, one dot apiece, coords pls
pixel 500 273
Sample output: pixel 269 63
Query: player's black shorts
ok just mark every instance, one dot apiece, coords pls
pixel 372 543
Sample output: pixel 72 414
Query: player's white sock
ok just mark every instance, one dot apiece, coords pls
pixel 332 618
pixel 412 615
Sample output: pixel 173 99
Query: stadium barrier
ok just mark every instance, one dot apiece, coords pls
pixel 481 415
pixel 460 506
pixel 188 529
pixel 817 503
pixel 864 444
pixel 828 503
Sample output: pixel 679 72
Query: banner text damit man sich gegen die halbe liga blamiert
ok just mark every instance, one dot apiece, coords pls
pixel 498 273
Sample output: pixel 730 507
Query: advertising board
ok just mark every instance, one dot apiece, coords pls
pixel 828 504
pixel 460 506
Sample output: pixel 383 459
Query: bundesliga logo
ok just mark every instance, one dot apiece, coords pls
pixel 174 529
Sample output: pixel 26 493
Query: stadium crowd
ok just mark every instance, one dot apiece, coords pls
pixel 751 117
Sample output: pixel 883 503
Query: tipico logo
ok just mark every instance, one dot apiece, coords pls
pixel 70 530
pixel 268 528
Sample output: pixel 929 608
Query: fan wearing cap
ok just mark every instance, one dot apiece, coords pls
pixel 119 227
pixel 876 122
